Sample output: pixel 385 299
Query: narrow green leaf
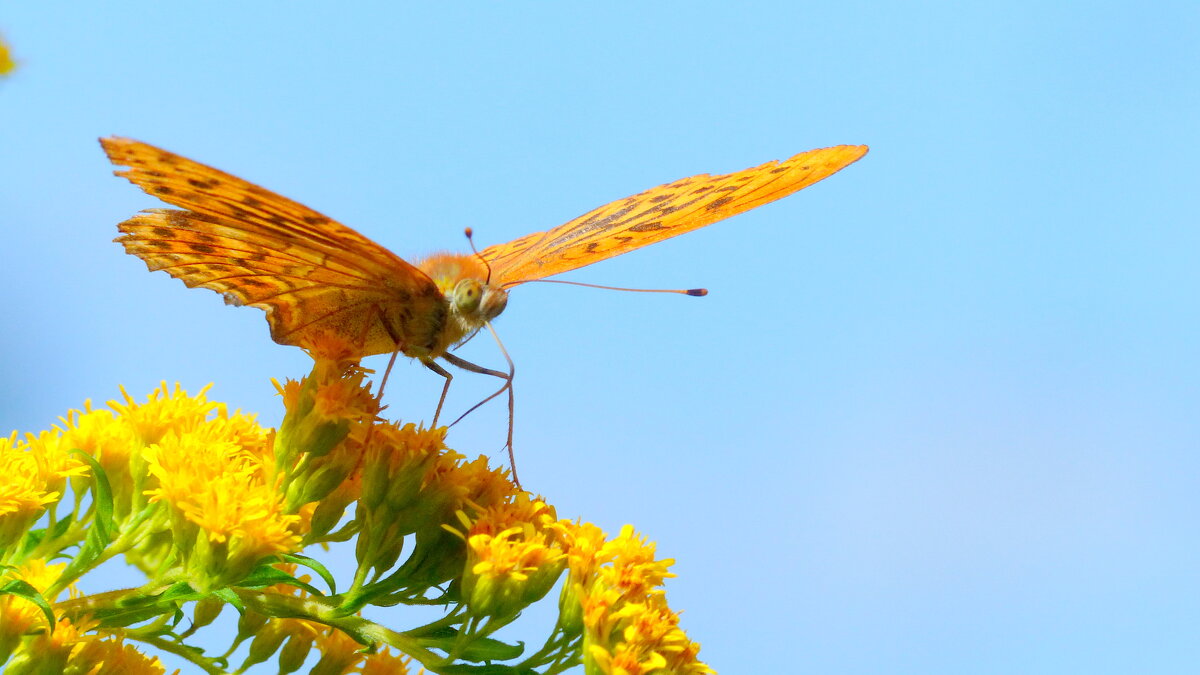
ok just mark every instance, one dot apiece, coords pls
pixel 179 593
pixel 102 498
pixel 232 598
pixel 488 669
pixel 266 575
pixel 102 529
pixel 21 588
pixel 477 650
pixel 314 565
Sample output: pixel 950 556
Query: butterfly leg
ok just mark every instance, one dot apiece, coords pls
pixel 387 371
pixel 432 365
pixel 508 380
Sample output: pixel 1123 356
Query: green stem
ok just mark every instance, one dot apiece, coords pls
pixel 191 654
pixel 323 611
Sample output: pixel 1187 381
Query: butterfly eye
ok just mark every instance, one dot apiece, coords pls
pixel 467 295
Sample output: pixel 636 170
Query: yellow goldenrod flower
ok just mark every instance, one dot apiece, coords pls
pixel 412 484
pixel 398 463
pixel 226 515
pixel 584 543
pixel 24 493
pixel 339 653
pixel 321 409
pixel 55 462
pixel 614 595
pixel 52 651
pixel 513 556
pixel 19 616
pixel 518 510
pixel 477 484
pixel 111 657
pixel 506 572
pixel 165 411
pixel 241 430
pixel 203 497
pixel 111 441
pixel 634 570
pixel 398 497
pixel 345 397
pixel 319 444
pixel 641 638
pixel 100 434
pixel 383 662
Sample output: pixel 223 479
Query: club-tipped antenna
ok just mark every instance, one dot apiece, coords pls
pixel 470 234
pixel 694 292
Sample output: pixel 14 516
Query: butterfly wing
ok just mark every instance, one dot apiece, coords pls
pixel 660 213
pixel 316 279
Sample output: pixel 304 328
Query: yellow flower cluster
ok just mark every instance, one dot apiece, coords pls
pixel 209 505
pixel 227 513
pixel 25 491
pixel 614 593
pixel 73 647
pixel 514 556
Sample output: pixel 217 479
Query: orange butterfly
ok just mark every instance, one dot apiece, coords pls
pixel 322 283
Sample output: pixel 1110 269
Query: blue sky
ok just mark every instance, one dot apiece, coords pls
pixel 938 413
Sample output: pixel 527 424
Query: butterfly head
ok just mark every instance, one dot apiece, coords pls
pixel 477 301
pixel 471 300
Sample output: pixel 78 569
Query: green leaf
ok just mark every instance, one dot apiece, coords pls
pixel 21 588
pixel 179 593
pixel 477 649
pixel 100 534
pixel 266 575
pixel 489 669
pixel 102 499
pixel 119 617
pixel 232 598
pixel 490 649
pixel 314 565
pixel 135 608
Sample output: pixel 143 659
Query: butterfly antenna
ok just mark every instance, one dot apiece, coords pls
pixel 470 234
pixel 694 292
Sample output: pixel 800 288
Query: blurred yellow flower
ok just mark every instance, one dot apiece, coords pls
pixel 7 65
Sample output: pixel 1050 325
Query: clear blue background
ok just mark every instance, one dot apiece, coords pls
pixel 938 413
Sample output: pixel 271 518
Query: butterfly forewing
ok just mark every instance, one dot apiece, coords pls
pixel 660 213
pixel 256 210
pixel 316 279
